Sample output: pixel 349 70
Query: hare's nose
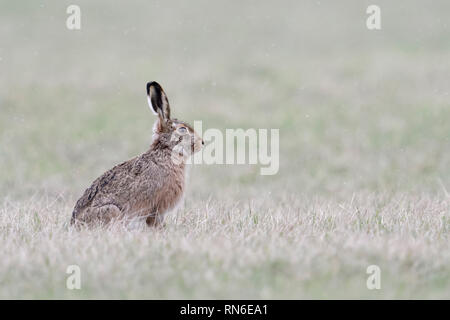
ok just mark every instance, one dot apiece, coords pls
pixel 203 142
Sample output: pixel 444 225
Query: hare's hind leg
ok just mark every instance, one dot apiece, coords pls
pixel 102 214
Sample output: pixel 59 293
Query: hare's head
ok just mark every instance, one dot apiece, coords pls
pixel 175 135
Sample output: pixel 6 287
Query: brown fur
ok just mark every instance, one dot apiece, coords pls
pixel 146 186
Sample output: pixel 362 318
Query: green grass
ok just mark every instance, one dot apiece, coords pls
pixel 364 148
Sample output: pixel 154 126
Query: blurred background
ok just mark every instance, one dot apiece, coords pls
pixel 358 110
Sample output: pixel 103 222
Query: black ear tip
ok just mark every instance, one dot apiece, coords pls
pixel 154 84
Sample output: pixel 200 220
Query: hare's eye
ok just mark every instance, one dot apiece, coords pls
pixel 182 130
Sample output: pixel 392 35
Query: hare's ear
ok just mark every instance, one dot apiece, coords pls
pixel 157 100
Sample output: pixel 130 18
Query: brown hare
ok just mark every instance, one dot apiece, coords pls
pixel 146 186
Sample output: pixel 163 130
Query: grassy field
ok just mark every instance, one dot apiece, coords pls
pixel 364 120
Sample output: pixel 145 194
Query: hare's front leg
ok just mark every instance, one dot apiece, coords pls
pixel 155 220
